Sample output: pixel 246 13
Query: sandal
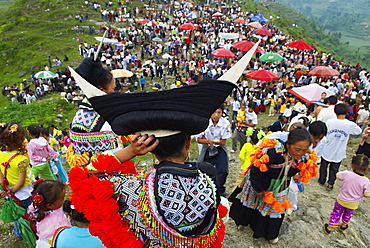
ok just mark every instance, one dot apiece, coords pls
pixel 329 187
pixel 326 230
pixel 342 228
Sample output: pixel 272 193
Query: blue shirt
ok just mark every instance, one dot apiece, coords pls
pixel 77 237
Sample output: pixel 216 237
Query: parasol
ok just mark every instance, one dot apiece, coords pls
pixel 245 46
pixel 300 45
pixel 310 93
pixel 187 26
pixel 223 53
pixel 262 75
pixel 240 20
pixel 263 31
pixel 120 73
pixel 324 71
pixel 143 21
pixel 271 57
pixel 45 75
pixel 255 25
pixel 217 14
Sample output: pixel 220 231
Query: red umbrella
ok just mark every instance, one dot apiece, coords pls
pixel 240 20
pixel 262 75
pixel 143 21
pixel 223 53
pixel 300 45
pixel 263 31
pixel 245 45
pixel 324 71
pixel 217 14
pixel 187 26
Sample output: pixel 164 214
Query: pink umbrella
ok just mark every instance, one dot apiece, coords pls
pixel 263 31
pixel 187 26
pixel 254 25
pixel 217 14
pixel 310 93
pixel 240 20
pixel 263 75
pixel 245 45
pixel 324 71
pixel 300 45
pixel 223 53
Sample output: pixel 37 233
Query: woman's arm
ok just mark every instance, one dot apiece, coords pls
pixel 139 146
pixel 20 183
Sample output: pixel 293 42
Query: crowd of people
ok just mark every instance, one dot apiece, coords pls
pixel 181 203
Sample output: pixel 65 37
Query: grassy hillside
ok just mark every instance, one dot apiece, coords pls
pixel 348 17
pixel 4 4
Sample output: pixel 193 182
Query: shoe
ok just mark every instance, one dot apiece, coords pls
pixel 342 228
pixel 329 187
pixel 321 184
pixel 289 211
pixel 326 230
pixel 274 241
pixel 232 151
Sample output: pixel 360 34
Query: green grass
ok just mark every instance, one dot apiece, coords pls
pixel 4 5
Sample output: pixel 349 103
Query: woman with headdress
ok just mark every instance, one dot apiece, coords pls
pixel 90 133
pixel 260 199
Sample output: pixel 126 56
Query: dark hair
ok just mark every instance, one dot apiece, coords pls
pixel 297 135
pixel 305 121
pixel 326 100
pixel 340 109
pixel 332 100
pixel 65 133
pixel 208 169
pixel 94 73
pixel 254 138
pixel 34 130
pixel 317 128
pixel 12 141
pixel 73 213
pixel 282 117
pixel 44 131
pixel 360 162
pixel 251 105
pixel 50 191
pixel 171 146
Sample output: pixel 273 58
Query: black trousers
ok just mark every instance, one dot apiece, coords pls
pixel 220 161
pixel 333 170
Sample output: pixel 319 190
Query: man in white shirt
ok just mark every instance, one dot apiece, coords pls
pixel 339 131
pixel 214 150
pixel 362 116
pixel 328 113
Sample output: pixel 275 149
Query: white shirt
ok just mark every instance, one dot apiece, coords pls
pixel 327 114
pixel 220 131
pixel 251 117
pixel 339 131
pixel 319 148
pixel 362 115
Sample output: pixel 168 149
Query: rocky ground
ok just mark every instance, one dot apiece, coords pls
pixel 304 228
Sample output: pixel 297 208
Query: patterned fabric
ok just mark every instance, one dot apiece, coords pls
pixel 94 143
pixel 249 199
pixel 340 212
pixel 85 120
pixel 184 201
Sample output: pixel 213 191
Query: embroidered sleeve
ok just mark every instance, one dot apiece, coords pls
pixel 23 165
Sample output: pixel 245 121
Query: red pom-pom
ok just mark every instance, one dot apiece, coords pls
pixel 87 188
pixel 95 228
pixel 103 190
pixel 222 210
pixel 108 208
pixel 91 211
pixel 219 237
pixel 109 164
pixel 77 201
pixel 77 176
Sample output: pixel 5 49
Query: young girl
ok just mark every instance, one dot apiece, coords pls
pixel 46 210
pixel 60 171
pixel 40 153
pixel 353 187
pixel 78 235
pixel 18 172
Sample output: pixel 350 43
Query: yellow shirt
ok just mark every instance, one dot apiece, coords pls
pixel 18 164
pixel 56 132
pixel 244 155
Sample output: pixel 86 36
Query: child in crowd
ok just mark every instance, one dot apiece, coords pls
pixel 46 210
pixel 13 152
pixel 255 135
pixel 353 187
pixel 40 153
pixel 55 165
pixel 77 235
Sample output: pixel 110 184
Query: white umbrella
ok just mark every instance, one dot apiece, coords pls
pixel 192 15
pixel 45 75
pixel 166 56
pixel 157 39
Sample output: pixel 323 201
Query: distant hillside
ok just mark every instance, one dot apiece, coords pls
pixel 350 18
pixel 4 4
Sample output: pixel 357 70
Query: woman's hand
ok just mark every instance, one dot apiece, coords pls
pixel 2 194
pixel 143 144
pixel 296 178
